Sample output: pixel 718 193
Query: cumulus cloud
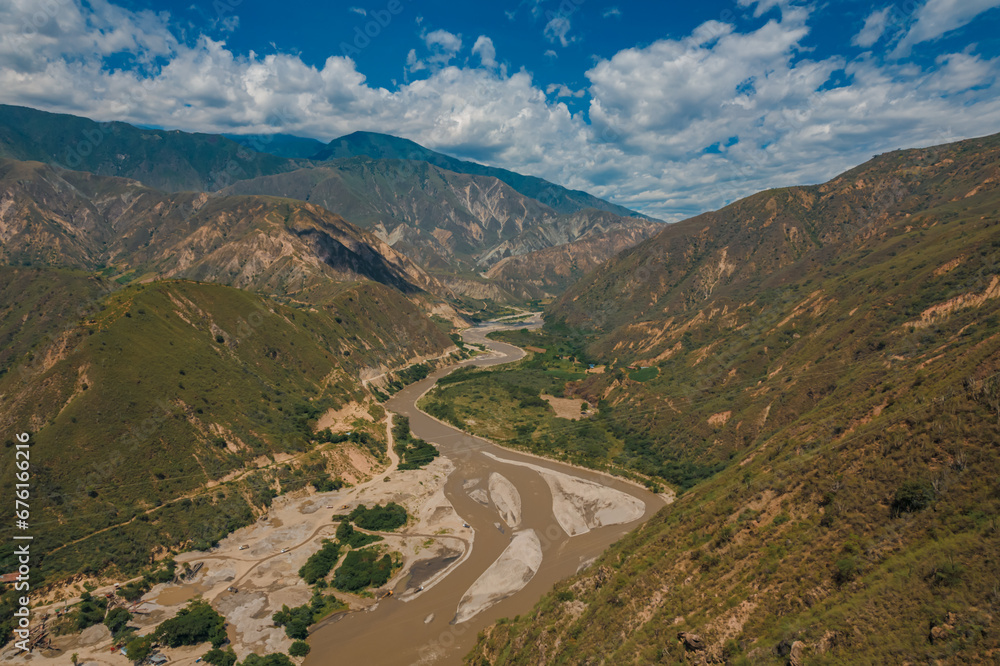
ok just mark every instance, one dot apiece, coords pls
pixel 557 30
pixel 874 28
pixel 486 51
pixel 672 128
pixel 442 47
pixel 610 12
pixel 443 40
pixel 549 53
pixel 938 17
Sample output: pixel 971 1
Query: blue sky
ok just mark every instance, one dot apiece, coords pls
pixel 670 108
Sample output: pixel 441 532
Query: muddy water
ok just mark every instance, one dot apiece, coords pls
pixel 397 632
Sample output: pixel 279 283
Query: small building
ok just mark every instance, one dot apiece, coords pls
pixel 6 579
pixel 157 659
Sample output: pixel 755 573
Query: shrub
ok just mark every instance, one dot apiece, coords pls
pixel 296 621
pixel 276 659
pixel 217 657
pixel 379 518
pixel 948 574
pixel 299 649
pixel 846 569
pixel 912 496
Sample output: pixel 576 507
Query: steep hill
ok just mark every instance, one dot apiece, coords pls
pixel 384 146
pixel 552 270
pixel 820 368
pixel 169 160
pixel 451 223
pixel 164 390
pixel 282 247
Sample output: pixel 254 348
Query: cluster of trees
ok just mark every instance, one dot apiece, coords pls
pixel 378 518
pixel 297 621
pixel 409 375
pixel 414 453
pixel 320 563
pixel 348 536
pixel 197 623
pixel 362 569
pixel 359 437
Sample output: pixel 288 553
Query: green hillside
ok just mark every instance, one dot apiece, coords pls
pixel 818 368
pixel 167 386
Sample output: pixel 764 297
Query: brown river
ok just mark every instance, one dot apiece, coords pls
pixel 421 630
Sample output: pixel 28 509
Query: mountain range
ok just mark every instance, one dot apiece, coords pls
pixel 813 370
pixel 453 217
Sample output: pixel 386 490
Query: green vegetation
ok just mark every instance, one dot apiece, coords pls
pixel 379 518
pixel 299 649
pixel 197 623
pixel 117 621
pixel 163 574
pixel 505 404
pixel 9 604
pixel 276 659
pixel 89 611
pixel 297 621
pixel 140 647
pixel 348 536
pixel 362 569
pixel 414 453
pixel 219 657
pixel 320 563
pixel 156 383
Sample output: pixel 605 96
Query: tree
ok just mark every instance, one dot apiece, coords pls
pixel 276 659
pixel 75 658
pixel 140 648
pixel 116 620
pixel 217 657
pixel 299 649
pixel 197 623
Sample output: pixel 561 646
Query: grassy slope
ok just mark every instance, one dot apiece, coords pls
pixel 144 405
pixel 848 362
pixel 35 312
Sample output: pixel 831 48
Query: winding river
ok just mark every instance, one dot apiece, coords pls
pixel 423 630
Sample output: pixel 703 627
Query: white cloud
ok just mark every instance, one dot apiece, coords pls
pixel 444 40
pixel 414 63
pixel 561 90
pixel 874 28
pixel 557 30
pixel 442 47
pixel 612 12
pixel 486 51
pixel 760 102
pixel 938 17
pixel 358 10
pixel 549 53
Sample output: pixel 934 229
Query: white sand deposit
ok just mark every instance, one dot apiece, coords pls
pixel 581 505
pixel 516 565
pixel 506 498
